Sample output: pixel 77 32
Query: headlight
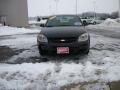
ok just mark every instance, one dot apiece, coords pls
pixel 42 38
pixel 83 37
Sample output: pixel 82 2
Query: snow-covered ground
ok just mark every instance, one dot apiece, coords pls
pixel 5 30
pixel 108 24
pixel 102 64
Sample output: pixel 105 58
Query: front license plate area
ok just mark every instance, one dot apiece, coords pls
pixel 62 50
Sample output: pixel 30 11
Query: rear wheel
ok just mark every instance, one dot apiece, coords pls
pixel 94 23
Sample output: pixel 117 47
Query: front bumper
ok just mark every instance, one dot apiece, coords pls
pixel 76 47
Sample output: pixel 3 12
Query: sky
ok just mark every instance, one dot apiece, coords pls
pixel 48 7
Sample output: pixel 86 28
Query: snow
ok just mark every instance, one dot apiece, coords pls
pixel 16 42
pixel 6 30
pixel 117 20
pixel 44 76
pixel 102 64
pixel 110 22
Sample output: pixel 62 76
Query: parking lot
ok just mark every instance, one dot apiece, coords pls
pixel 21 66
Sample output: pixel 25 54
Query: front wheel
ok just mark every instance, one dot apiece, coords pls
pixel 41 52
pixel 87 51
pixel 42 56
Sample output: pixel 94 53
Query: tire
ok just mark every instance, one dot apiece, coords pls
pixel 43 59
pixel 42 56
pixel 41 52
pixel 94 23
pixel 87 50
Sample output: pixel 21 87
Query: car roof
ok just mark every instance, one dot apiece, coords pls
pixel 64 15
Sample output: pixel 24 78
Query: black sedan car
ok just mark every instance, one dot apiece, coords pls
pixel 63 34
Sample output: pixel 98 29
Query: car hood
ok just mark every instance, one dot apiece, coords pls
pixel 58 32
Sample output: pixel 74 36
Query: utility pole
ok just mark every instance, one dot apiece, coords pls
pixel 50 9
pixel 76 7
pixel 94 8
pixel 56 1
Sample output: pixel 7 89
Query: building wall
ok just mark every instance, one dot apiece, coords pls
pixel 2 3
pixel 15 11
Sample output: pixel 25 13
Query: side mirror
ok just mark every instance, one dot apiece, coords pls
pixel 42 25
pixel 85 23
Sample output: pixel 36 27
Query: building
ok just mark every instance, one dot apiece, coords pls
pixel 14 12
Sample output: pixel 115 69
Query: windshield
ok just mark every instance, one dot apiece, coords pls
pixel 56 21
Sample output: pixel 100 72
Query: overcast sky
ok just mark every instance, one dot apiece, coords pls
pixel 48 7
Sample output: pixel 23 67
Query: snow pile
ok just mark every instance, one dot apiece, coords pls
pixel 5 30
pixel 109 22
pixel 52 76
pixel 117 20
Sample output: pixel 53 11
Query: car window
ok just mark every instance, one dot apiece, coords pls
pixel 56 21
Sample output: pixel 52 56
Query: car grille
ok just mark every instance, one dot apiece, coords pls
pixel 62 40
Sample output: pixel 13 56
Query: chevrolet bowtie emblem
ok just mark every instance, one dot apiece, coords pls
pixel 62 40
